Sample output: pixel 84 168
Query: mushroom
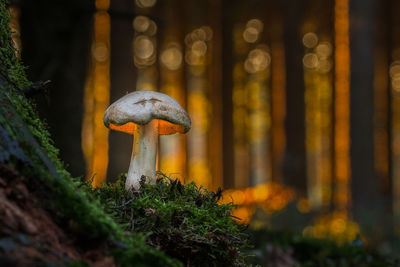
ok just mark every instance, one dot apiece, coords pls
pixel 145 114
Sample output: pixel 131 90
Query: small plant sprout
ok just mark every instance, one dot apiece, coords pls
pixel 145 114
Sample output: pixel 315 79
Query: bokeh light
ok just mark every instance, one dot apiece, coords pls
pixel 310 60
pixel 394 72
pixel 145 3
pixel 256 24
pixel 171 57
pixel 144 25
pixel 252 31
pixel 270 197
pixel 144 51
pixel 250 35
pixel 144 47
pixel 310 40
pixel 196 48
pixel 324 50
pixel 199 48
pixel 335 226
pixel 141 23
pixel 100 51
pixel 257 60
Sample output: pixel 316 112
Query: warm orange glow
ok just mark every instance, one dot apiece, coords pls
pixel 271 197
pixel 96 99
pixel 303 205
pixel 102 4
pixel 243 214
pixel 342 105
pixel 164 127
pixel 335 226
pixel 15 13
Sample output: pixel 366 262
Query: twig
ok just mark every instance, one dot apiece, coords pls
pixel 123 205
pixel 234 217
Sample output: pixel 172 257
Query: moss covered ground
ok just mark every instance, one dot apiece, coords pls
pixel 185 221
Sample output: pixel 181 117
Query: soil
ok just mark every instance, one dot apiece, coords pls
pixel 31 234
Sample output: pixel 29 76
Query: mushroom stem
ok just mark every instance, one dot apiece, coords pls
pixel 144 153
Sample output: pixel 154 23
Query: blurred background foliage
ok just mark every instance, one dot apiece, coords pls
pixel 294 104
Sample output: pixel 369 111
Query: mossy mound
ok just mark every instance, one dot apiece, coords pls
pixel 184 221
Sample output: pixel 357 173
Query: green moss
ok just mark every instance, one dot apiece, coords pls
pixel 10 65
pixel 185 221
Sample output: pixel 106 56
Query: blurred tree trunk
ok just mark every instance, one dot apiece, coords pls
pixel 215 72
pixel 227 85
pixel 273 17
pixel 394 57
pixel 55 45
pixel 382 112
pixel 295 156
pixel 364 183
pixel 123 80
pixel 381 96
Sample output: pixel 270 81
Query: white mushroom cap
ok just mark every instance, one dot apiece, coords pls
pixel 141 107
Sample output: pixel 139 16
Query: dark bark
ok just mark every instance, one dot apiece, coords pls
pixel 382 100
pixel 364 183
pixel 295 156
pixel 227 84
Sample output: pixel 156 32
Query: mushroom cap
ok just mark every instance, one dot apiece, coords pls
pixel 141 107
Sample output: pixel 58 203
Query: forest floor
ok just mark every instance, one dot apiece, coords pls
pixel 32 235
